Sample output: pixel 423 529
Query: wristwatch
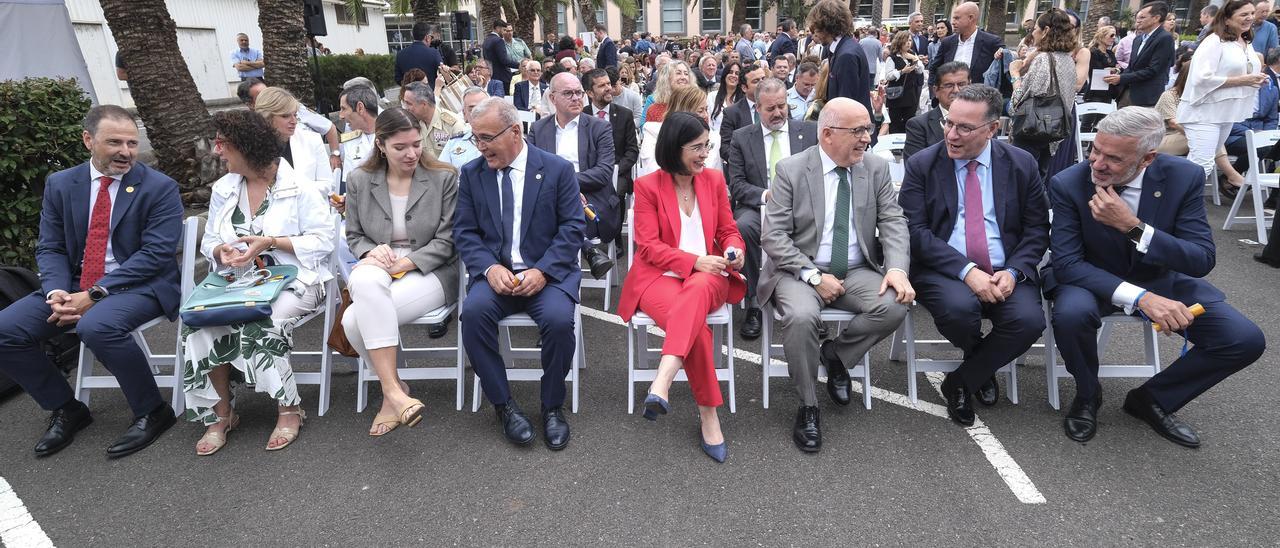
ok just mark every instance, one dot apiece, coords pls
pixel 97 293
pixel 815 279
pixel 1135 233
pixel 335 153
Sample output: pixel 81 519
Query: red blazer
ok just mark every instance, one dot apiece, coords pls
pixel 656 228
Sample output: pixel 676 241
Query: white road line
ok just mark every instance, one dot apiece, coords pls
pixel 17 528
pixel 1001 460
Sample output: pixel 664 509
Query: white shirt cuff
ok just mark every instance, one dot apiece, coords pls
pixel 806 273
pixel 763 196
pixel 1145 241
pixel 965 271
pixel 1125 295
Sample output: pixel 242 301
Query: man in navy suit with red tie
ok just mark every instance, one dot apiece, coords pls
pixel 979 226
pixel 109 233
pixel 518 228
pixel 1130 233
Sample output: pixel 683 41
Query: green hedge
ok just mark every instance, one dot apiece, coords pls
pixel 39 134
pixel 336 69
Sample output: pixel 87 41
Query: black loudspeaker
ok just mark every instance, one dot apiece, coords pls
pixel 313 17
pixel 462 25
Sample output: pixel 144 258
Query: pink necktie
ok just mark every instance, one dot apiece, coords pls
pixel 975 226
pixel 600 114
pixel 93 264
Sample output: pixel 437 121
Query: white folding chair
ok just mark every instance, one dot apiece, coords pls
pixel 640 355
pixel 1254 181
pixel 1150 344
pixel 527 118
pixel 906 347
pixel 366 375
pixel 890 148
pixel 332 298
pixel 510 352
pixel 1086 109
pixel 86 380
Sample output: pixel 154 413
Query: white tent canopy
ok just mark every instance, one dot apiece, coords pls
pixel 41 42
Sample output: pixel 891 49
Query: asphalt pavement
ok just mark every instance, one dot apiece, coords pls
pixel 894 475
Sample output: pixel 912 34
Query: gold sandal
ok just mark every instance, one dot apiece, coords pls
pixel 390 421
pixel 216 439
pixel 285 432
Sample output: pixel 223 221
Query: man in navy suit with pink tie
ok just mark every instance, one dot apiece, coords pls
pixel 518 228
pixel 1130 234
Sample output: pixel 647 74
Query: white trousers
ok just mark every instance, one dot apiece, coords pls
pixel 1204 139
pixel 381 304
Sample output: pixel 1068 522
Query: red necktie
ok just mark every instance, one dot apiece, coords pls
pixel 95 245
pixel 600 114
pixel 975 226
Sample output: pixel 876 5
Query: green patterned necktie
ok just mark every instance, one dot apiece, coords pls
pixel 840 232
pixel 775 152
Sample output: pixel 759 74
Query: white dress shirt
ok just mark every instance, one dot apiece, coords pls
pixel 964 48
pixel 109 263
pixel 567 141
pixel 692 240
pixel 1126 295
pixel 829 182
pixel 784 143
pixel 517 195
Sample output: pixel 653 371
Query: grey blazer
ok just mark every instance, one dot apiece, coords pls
pixel 748 167
pixel 795 214
pixel 428 220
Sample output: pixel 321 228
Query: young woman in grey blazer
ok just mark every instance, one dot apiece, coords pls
pixel 400 207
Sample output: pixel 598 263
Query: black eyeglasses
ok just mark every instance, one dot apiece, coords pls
pixel 962 130
pixel 862 131
pixel 478 140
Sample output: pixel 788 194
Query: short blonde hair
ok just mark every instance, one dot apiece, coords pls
pixel 274 101
pixel 687 99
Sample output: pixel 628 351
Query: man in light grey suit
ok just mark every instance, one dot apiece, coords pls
pixel 754 152
pixel 820 231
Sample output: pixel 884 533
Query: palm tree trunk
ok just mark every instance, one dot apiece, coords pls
pixel 877 12
pixel 997 16
pixel 490 11
pixel 284 47
pixel 587 13
pixel 629 23
pixel 927 9
pixel 427 11
pixel 739 15
pixel 177 123
pixel 522 17
pixel 1098 8
pixel 546 11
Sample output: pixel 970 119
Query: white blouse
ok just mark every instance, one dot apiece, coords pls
pixel 1205 99
pixel 399 231
pixel 692 240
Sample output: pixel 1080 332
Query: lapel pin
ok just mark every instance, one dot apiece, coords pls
pixel 128 189
pixel 1156 194
pixel 538 176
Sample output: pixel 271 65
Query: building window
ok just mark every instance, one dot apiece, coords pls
pixel 900 8
pixel 864 10
pixel 1042 6
pixel 601 17
pixel 1182 10
pixel 641 26
pixel 754 13
pixel 399 35
pixel 1011 17
pixel 344 18
pixel 673 16
pixel 712 16
pixel 562 27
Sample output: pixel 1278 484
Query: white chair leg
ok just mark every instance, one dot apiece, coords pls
pixel 1011 391
pixel 910 338
pixel 866 380
pixel 84 369
pixel 579 356
pixel 362 386
pixel 1050 358
pixel 475 394
pixel 631 369
pixel 766 353
pixel 461 380
pixel 1235 205
pixel 1259 215
pixel 733 384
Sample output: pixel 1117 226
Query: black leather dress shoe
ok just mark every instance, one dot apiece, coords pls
pixel 989 393
pixel 143 432
pixel 1140 404
pixel 806 434
pixel 515 425
pixel 837 376
pixel 1081 422
pixel 437 330
pixel 959 406
pixel 555 429
pixel 1262 258
pixel 600 263
pixel 63 425
pixel 751 325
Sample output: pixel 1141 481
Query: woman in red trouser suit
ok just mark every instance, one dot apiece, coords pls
pixel 688 251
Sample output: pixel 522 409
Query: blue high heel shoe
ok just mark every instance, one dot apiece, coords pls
pixel 718 452
pixel 654 406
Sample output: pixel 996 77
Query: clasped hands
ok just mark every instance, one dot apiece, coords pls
pixel 527 284
pixel 385 258
pixel 232 255
pixel 67 308
pixel 990 288
pixel 712 264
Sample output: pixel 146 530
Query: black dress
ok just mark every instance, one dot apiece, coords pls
pixel 904 106
pixel 1099 60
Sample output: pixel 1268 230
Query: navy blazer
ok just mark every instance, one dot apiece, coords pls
pixel 552 226
pixel 595 165
pixel 500 62
pixel 1147 74
pixel 985 47
pixel 146 226
pixel 782 45
pixel 418 56
pixel 521 97
pixel 738 115
pixel 607 54
pixel 1094 256
pixel 930 199
pixel 848 76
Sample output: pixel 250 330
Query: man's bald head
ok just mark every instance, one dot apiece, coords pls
pixel 964 18
pixel 844 130
pixel 563 81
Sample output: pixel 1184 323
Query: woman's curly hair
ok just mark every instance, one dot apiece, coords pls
pixel 251 135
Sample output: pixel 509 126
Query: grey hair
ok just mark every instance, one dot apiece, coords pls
pixel 422 92
pixel 472 91
pixel 507 113
pixel 358 81
pixel 586 62
pixel 1143 122
pixel 364 96
pixel 769 85
pixel 982 93
pixel 1273 56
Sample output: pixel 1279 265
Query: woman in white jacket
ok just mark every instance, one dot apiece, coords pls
pixel 1222 83
pixel 302 148
pixel 260 212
